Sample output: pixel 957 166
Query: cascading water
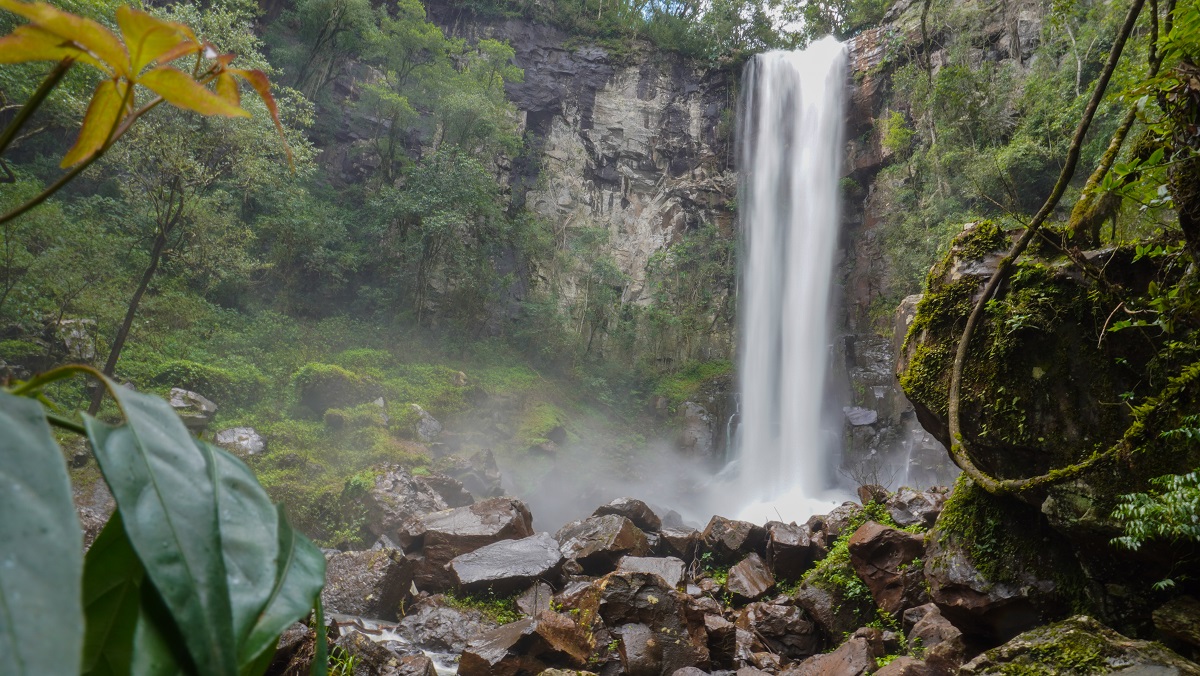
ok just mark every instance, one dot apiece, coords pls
pixel 790 156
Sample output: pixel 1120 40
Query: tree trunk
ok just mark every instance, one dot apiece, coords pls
pixel 160 242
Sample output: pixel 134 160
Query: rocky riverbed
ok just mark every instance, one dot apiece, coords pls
pixel 868 588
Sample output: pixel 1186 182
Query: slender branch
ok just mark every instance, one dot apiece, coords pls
pixel 958 449
pixel 34 102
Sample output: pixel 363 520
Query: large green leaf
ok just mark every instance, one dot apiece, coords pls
pixel 162 483
pixel 41 548
pixel 248 537
pixel 299 577
pixel 127 624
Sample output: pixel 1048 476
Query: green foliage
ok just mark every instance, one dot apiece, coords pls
pixel 324 386
pixel 686 383
pixel 1169 514
pixel 239 384
pixel 501 610
pixel 172 580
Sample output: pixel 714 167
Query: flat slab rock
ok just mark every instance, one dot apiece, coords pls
pixel 670 569
pixel 367 583
pixel 508 565
pixel 453 532
pixel 1080 646
pixel 528 646
pixel 599 542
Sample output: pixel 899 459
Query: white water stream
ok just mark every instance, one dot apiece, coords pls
pixel 790 145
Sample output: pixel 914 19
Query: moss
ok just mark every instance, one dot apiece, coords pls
pixel 984 238
pixel 501 610
pixel 239 384
pixel 355 417
pixel 19 351
pixel 324 386
pixel 687 383
pixel 538 422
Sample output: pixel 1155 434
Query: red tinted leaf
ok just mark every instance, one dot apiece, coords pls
pixel 227 88
pixel 84 32
pixel 262 85
pixel 179 89
pixel 103 115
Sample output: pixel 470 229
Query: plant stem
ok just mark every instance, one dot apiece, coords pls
pixel 34 102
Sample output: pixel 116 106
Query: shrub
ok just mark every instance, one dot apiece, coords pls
pixel 240 384
pixel 325 386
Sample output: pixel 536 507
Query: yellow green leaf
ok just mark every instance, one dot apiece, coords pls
pixel 227 88
pixel 84 32
pixel 262 85
pixel 179 89
pixel 149 38
pixel 30 43
pixel 103 114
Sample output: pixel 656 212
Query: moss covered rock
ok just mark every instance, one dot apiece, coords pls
pixel 324 386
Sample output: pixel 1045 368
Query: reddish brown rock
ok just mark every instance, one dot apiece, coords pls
pixel 853 658
pixel 635 510
pixel 730 541
pixel 789 550
pixel 442 536
pixel 679 542
pixel 669 568
pixel 784 630
pixel 908 507
pixel 883 557
pixel 368 584
pixel 750 579
pixel 528 646
pixel 598 543
pixel 906 666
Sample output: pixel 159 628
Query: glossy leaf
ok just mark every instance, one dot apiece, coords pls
pixel 86 33
pixel 103 114
pixel 162 484
pixel 179 89
pixel 299 576
pixel 41 549
pixel 249 541
pixel 149 38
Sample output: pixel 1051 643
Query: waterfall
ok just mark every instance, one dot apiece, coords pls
pixel 790 151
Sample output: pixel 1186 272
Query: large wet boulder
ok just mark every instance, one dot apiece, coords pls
pixel 681 543
pixel 784 629
pixel 669 568
pixel 528 646
pixel 442 536
pixel 433 624
pixel 909 507
pixel 731 540
pixel 597 543
pixel 242 441
pixel 750 579
pixel 833 614
pixel 635 510
pixel 396 500
pixel 621 599
pixel 369 584
pixel 942 644
pixel 883 558
pixel 479 474
pixel 1178 620
pixel 853 658
pixel 790 552
pixel 1079 646
pixel 506 566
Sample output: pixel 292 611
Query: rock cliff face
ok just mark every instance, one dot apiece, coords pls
pixel 638 147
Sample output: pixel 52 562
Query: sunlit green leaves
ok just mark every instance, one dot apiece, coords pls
pixel 41 560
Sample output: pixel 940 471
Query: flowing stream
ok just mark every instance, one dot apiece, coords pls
pixel 790 145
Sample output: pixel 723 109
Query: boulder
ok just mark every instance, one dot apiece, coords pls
pixel 506 566
pixel 906 666
pixel 445 535
pixel 1079 645
pixel 789 550
pixel 369 584
pixel 535 599
pixel 679 542
pixel 195 410
pixel 597 543
pixel 883 557
pixel 722 641
pixel 853 658
pixel 1179 620
pixel 750 579
pixel 730 540
pixel 427 427
pixel 242 441
pixel 640 650
pixel 376 659
pixel 397 499
pixel 835 617
pixel 479 474
pixel 670 569
pixel 784 630
pixel 908 507
pixel 452 491
pixel 621 599
pixel 635 510
pixel 942 644
pixel 434 625
pixel 77 337
pixel 528 646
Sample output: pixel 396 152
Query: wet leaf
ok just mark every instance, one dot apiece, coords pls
pixel 86 33
pixel 103 114
pixel 149 38
pixel 179 89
